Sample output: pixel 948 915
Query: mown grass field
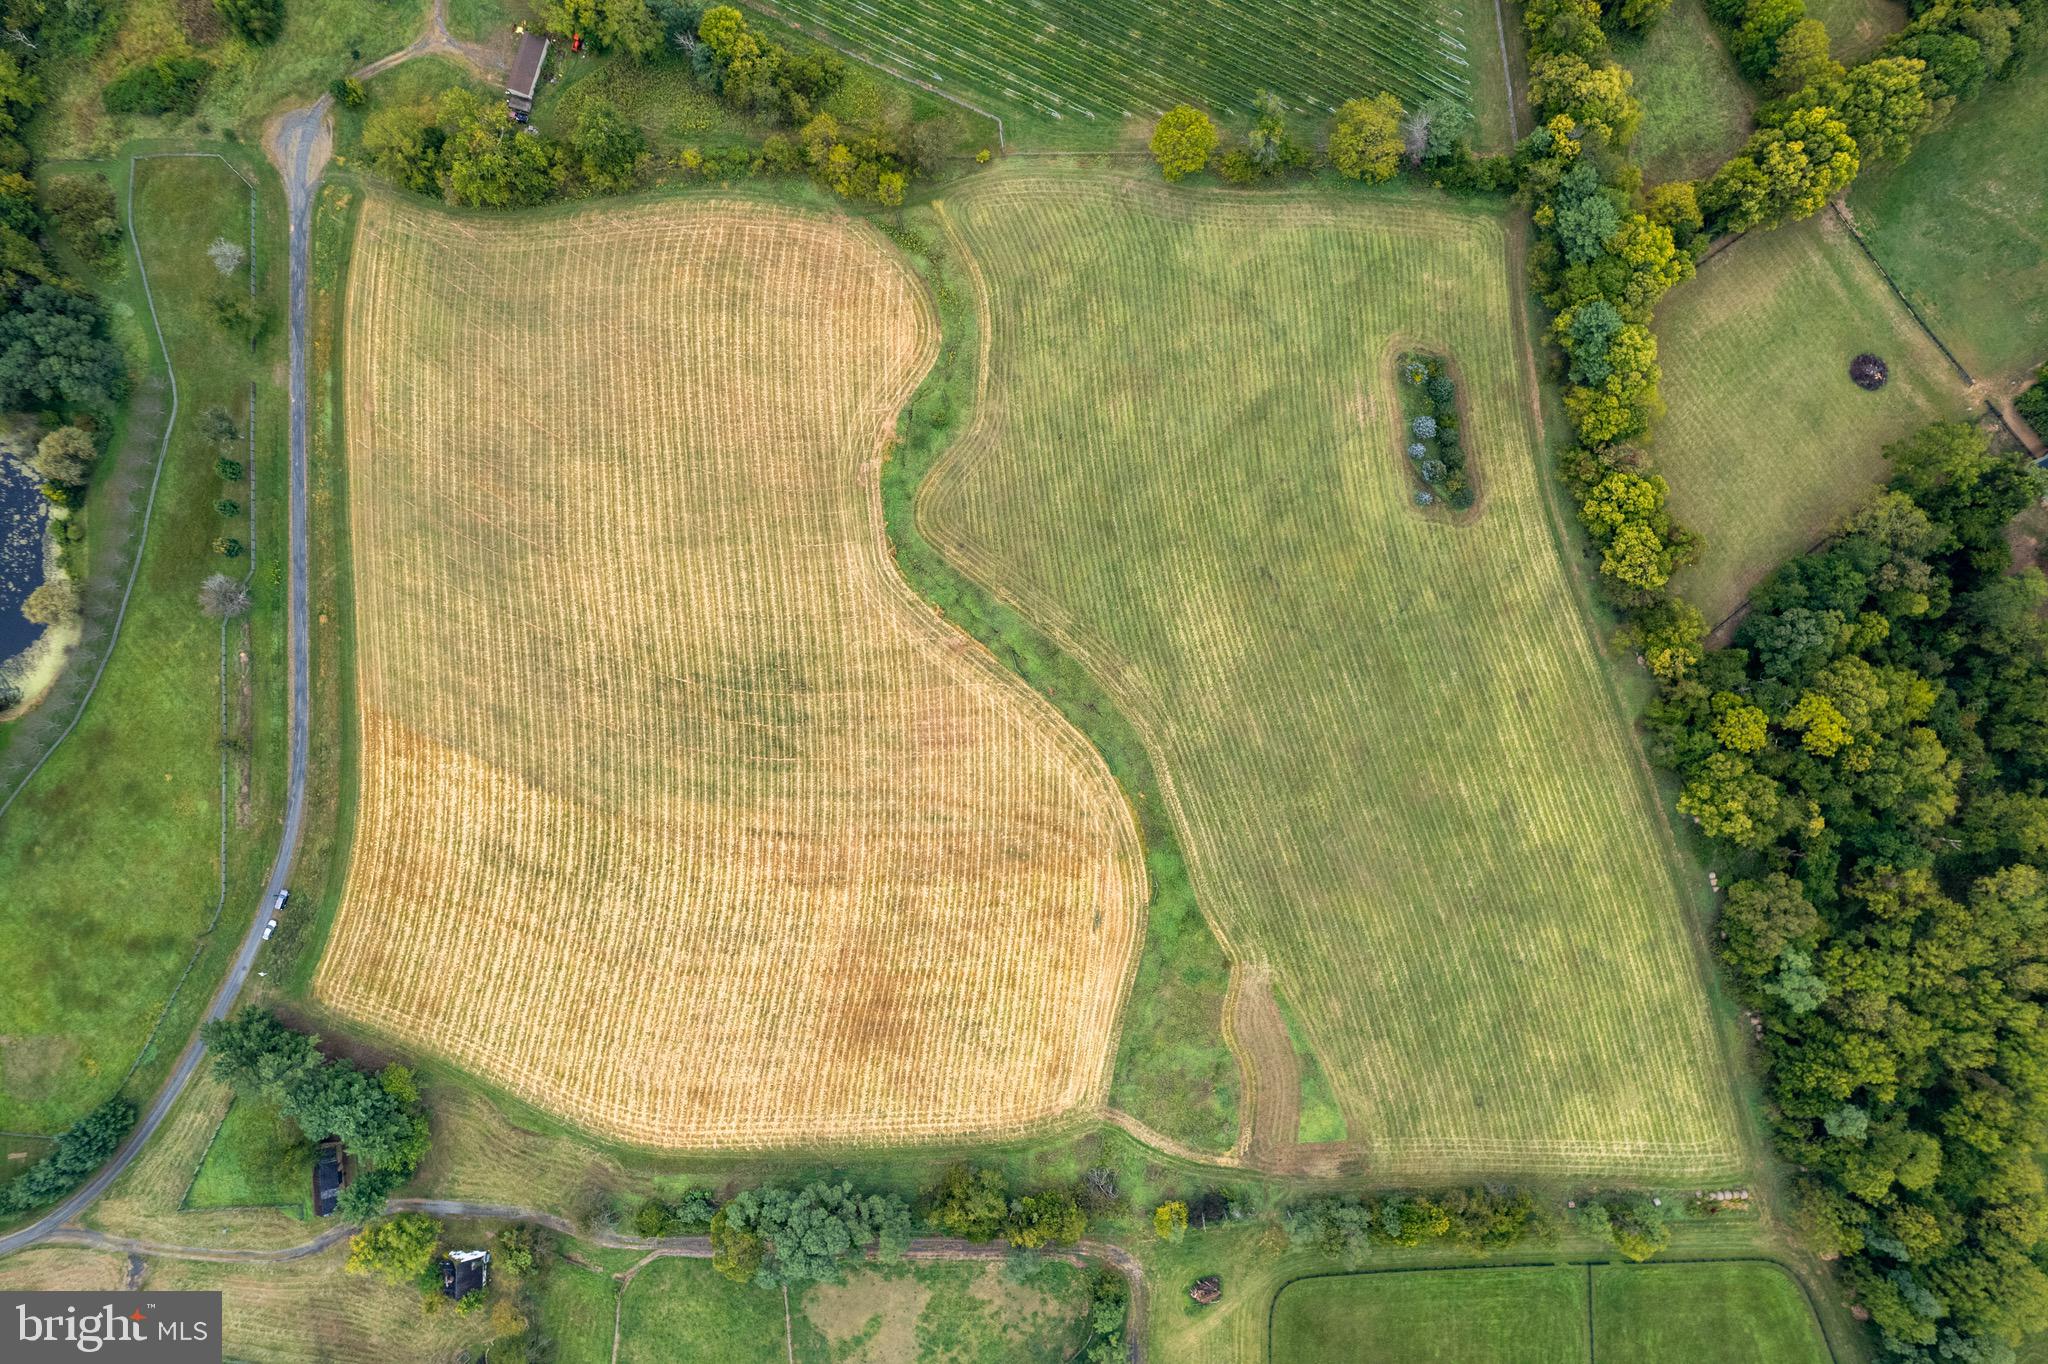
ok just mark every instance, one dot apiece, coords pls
pixel 1962 225
pixel 257 1159
pixel 1737 1312
pixel 1097 72
pixel 1767 444
pixel 1386 740
pixel 1734 1313
pixel 658 755
pixel 1493 1316
pixel 683 1309
pixel 1696 106
pixel 118 837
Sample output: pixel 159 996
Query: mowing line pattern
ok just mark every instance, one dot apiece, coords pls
pixel 1091 60
pixel 1385 738
pixel 680 815
pixel 1768 447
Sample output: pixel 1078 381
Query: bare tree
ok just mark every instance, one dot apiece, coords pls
pixel 226 256
pixel 223 598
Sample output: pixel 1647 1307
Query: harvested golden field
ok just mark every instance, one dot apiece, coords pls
pixel 680 815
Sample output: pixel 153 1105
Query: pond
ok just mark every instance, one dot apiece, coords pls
pixel 23 513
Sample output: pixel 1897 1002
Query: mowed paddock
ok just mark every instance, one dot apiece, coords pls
pixel 1402 781
pixel 1767 442
pixel 679 814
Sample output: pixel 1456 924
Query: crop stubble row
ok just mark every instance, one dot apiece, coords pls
pixel 680 814
pixel 1385 738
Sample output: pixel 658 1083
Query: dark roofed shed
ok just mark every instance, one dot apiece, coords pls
pixel 525 77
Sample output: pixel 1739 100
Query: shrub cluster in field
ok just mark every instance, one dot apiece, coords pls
pixel 1435 448
pixel 469 150
pixel 1872 751
pixel 1371 140
pixel 1349 1226
pixel 377 1118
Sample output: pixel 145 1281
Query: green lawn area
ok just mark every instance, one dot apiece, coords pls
pixel 1386 740
pixel 1857 28
pixel 1734 1313
pixel 1696 106
pixel 117 838
pixel 481 21
pixel 683 1309
pixel 1455 1316
pixel 257 1159
pixel 1767 444
pixel 1962 225
pixel 575 1314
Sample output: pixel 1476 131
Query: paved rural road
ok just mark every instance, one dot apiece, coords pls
pixel 300 150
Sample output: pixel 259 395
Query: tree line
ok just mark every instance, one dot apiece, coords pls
pixel 1371 141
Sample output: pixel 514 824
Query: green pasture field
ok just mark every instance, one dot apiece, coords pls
pixel 575 1312
pixel 1696 106
pixel 1091 74
pixel 1962 226
pixel 1386 740
pixel 1489 1316
pixel 257 1159
pixel 1767 444
pixel 1727 1312
pixel 117 838
pixel 683 1309
pixel 1857 28
pixel 1737 1312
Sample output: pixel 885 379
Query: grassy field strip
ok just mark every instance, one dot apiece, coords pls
pixel 1384 737
pixel 680 815
pixel 1739 1312
pixel 1725 1312
pixel 1767 448
pixel 1068 59
pixel 118 835
pixel 1494 1316
pixel 1962 226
